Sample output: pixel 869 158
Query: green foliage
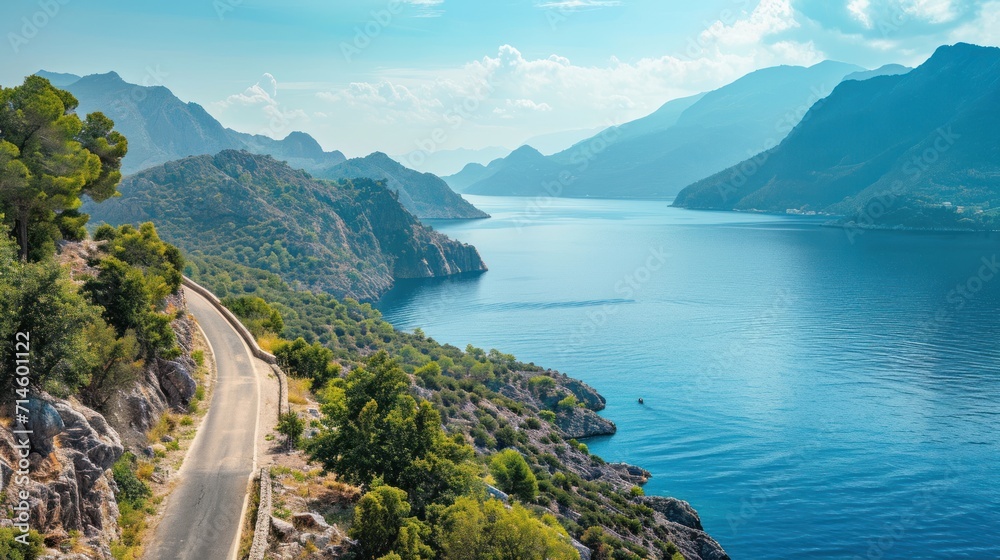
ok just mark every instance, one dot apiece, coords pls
pixel 134 277
pixel 131 490
pixel 568 403
pixel 49 158
pixel 378 519
pixel 514 476
pixel 374 428
pixel 259 317
pixel 40 299
pixel 312 361
pixel 14 550
pixel 474 530
pixel 291 426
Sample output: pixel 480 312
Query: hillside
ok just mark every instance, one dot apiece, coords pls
pixel 685 140
pixel 351 239
pixel 425 195
pixel 161 128
pixel 920 145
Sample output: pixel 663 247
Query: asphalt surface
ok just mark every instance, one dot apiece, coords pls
pixel 202 516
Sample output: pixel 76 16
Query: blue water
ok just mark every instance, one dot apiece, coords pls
pixel 812 395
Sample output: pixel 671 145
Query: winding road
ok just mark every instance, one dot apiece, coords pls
pixel 202 517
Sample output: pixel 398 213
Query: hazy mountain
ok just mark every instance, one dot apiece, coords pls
pixel 685 140
pixel 919 145
pixel 351 238
pixel 423 194
pixel 161 128
pixel 58 79
pixel 555 142
pixel 447 162
pixel 887 70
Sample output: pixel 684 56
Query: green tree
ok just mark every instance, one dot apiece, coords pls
pixel 474 530
pixel 258 316
pixel 378 518
pixel 373 427
pixel 291 426
pixel 49 158
pixel 40 299
pixel 514 476
pixel 313 361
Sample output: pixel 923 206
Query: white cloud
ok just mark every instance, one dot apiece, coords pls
pixel 933 11
pixel 572 5
pixel 859 11
pixel 768 18
pixel 984 29
pixel 257 109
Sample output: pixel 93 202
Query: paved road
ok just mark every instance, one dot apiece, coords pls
pixel 202 517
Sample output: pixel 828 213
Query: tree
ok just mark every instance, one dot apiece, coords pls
pixel 312 361
pixel 474 530
pixel 258 316
pixel 378 517
pixel 373 427
pixel 513 475
pixel 49 158
pixel 40 299
pixel 291 426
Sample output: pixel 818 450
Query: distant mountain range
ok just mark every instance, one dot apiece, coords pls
pixel 685 140
pixel 448 162
pixel 349 239
pixel 423 194
pixel 918 149
pixel 162 128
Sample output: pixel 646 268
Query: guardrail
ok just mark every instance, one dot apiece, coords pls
pixel 244 333
pixel 263 528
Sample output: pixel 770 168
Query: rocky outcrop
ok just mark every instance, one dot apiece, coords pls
pixel 70 484
pixel 581 422
pixel 676 511
pixel 176 382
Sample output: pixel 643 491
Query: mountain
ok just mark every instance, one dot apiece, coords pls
pixel 161 128
pixel 448 162
pixel 555 142
pixel 423 194
pixel 887 70
pixel 350 239
pixel 922 146
pixel 685 140
pixel 58 79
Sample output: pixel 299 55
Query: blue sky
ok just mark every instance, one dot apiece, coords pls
pixel 397 75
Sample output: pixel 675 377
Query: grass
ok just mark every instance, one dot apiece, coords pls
pixel 298 390
pixel 268 342
pixel 166 425
pixel 246 535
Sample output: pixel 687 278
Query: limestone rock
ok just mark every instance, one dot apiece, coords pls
pixel 176 382
pixel 45 424
pixel 677 511
pixel 283 530
pixel 583 423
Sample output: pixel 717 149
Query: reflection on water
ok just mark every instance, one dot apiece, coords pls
pixel 810 396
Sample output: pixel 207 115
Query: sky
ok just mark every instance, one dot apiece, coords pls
pixel 426 75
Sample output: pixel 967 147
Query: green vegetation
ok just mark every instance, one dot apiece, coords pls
pixel 351 238
pixel 13 550
pixel 132 497
pixel 475 530
pixel 49 158
pixel 291 426
pixel 514 476
pixel 258 317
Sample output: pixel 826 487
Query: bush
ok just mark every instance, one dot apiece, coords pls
pixel 255 313
pixel 514 476
pixel 14 550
